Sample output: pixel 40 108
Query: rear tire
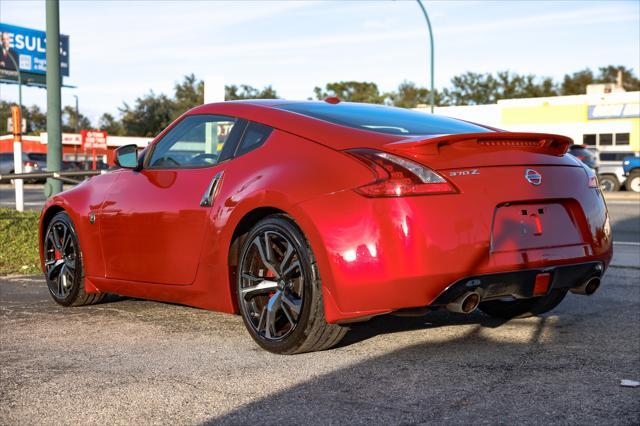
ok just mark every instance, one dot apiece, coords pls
pixel 64 270
pixel 280 292
pixel 633 181
pixel 609 183
pixel 523 308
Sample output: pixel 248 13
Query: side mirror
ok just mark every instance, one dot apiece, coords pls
pixel 127 157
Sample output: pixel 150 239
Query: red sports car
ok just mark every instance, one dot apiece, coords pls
pixel 306 216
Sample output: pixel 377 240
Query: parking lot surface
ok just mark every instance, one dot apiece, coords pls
pixel 129 361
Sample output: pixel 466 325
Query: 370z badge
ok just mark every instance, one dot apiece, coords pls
pixel 464 172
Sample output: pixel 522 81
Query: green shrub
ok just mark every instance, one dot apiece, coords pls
pixel 19 242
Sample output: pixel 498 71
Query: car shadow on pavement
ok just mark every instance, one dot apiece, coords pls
pixel 389 324
pixel 531 371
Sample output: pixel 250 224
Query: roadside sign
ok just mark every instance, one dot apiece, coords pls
pixel 94 139
pixel 10 125
pixel 26 49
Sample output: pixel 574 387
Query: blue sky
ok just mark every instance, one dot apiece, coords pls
pixel 120 50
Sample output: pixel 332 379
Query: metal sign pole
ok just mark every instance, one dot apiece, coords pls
pixel 54 133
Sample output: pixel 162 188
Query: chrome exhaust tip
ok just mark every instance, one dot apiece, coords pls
pixel 588 287
pixel 466 303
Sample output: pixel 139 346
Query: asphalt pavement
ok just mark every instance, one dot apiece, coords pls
pixel 128 361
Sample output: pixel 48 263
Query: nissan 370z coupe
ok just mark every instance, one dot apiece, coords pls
pixel 305 216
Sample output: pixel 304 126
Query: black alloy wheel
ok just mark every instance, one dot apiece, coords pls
pixel 279 290
pixel 63 264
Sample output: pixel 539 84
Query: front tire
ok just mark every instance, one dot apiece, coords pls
pixel 64 271
pixel 280 292
pixel 524 308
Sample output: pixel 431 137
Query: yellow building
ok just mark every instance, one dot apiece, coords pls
pixel 605 119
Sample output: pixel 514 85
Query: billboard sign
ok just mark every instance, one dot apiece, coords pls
pixel 94 139
pixel 27 48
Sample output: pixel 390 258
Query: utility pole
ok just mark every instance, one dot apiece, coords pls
pixel 54 110
pixel 432 91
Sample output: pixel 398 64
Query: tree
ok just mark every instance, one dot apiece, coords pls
pixel 150 114
pixel 188 94
pixel 36 120
pixel 351 91
pixel 576 83
pixel 410 96
pixel 471 89
pixel 244 91
pixel 477 89
pixel 609 74
pixel 73 122
pixel 109 124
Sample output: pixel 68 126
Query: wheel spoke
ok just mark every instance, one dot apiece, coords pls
pixel 288 315
pixel 295 305
pixel 67 240
pixel 286 258
pixel 265 253
pixel 54 268
pixel 287 273
pixel 262 287
pixel 70 263
pixel 59 282
pixel 274 305
pixel 263 317
pixel 56 235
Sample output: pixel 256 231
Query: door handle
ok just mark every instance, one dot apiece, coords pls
pixel 212 190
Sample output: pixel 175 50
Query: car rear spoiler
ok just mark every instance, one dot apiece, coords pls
pixel 542 143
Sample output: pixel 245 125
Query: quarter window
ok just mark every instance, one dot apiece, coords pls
pixel 254 136
pixel 196 141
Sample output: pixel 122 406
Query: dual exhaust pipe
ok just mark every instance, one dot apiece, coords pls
pixel 466 303
pixel 470 300
pixel 588 287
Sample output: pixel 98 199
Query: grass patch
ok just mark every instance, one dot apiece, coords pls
pixel 19 242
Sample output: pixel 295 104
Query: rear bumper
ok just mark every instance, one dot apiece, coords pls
pixel 380 255
pixel 520 284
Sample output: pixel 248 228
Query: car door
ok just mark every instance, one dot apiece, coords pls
pixel 153 221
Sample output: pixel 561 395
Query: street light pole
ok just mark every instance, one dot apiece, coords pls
pixel 77 121
pixel 426 17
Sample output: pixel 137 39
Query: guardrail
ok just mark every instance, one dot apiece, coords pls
pixel 66 177
pixel 63 176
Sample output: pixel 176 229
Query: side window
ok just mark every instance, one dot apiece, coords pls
pixel 196 141
pixel 254 136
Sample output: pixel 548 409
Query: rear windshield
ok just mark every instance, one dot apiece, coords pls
pixel 383 119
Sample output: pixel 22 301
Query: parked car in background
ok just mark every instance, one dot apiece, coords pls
pixel 610 172
pixel 631 167
pixel 31 162
pixel 586 155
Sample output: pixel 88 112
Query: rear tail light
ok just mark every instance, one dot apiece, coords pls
pixel 30 166
pixel 397 177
